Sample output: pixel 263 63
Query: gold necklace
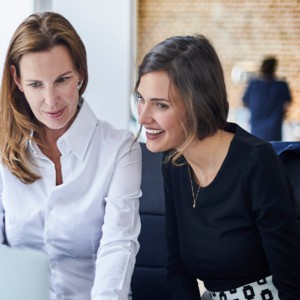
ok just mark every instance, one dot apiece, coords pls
pixel 201 182
pixel 194 197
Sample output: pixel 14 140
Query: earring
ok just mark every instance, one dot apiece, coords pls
pixel 80 85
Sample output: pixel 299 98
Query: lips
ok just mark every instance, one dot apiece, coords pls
pixel 55 114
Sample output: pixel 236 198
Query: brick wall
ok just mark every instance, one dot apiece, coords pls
pixel 243 32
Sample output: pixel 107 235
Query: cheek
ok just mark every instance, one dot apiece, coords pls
pixel 70 94
pixel 33 98
pixel 68 90
pixel 138 108
pixel 177 130
pixel 171 122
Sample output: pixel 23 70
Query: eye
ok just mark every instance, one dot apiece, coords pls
pixel 161 105
pixel 35 84
pixel 138 99
pixel 62 79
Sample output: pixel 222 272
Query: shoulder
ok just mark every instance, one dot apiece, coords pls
pixel 283 85
pixel 102 133
pixel 248 147
pixel 253 82
pixel 109 132
pixel 255 163
pixel 116 139
pixel 87 121
pixel 281 80
pixel 173 170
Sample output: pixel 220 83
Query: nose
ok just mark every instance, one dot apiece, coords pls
pixel 50 96
pixel 144 114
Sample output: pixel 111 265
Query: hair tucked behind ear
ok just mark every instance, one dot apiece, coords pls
pixel 39 32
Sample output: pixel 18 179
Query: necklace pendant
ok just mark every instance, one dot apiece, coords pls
pixel 194 204
pixel 193 194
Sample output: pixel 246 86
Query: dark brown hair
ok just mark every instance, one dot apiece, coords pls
pixel 196 73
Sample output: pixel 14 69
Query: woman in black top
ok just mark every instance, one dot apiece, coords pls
pixel 230 216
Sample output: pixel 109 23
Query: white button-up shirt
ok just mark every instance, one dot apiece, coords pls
pixel 88 225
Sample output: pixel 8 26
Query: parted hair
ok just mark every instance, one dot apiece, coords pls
pixel 196 74
pixel 38 32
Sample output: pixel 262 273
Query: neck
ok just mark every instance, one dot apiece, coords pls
pixel 47 142
pixel 206 157
pixel 201 152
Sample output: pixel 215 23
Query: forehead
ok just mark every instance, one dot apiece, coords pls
pixel 49 63
pixel 155 85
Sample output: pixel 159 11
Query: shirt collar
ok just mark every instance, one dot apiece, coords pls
pixel 77 138
pixel 32 145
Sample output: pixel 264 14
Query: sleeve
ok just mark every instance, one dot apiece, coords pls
pixel 286 93
pixel 2 215
pixel 119 244
pixel 181 283
pixel 247 95
pixel 272 203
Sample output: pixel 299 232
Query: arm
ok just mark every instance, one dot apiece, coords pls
pixel 119 244
pixel 271 199
pixel 181 283
pixel 247 95
pixel 286 107
pixel 286 98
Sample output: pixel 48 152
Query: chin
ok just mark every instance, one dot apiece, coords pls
pixel 156 148
pixel 57 126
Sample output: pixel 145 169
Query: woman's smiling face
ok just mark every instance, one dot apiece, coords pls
pixel 162 119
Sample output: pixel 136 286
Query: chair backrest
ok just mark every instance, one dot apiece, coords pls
pixel 289 152
pixel 149 276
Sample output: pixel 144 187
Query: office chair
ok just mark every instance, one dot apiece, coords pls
pixel 149 277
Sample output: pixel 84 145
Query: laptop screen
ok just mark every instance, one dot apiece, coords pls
pixel 23 274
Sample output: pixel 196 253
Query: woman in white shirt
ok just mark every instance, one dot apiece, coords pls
pixel 69 183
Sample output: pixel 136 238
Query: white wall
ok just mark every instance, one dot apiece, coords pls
pixel 12 13
pixel 105 28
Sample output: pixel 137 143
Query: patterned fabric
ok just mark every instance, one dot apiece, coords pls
pixel 262 289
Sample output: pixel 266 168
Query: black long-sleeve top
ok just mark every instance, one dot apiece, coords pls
pixel 243 228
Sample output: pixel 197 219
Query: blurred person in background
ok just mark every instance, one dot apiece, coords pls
pixel 268 99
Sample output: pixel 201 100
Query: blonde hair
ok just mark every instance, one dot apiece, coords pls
pixel 38 32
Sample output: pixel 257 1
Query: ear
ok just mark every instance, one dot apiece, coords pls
pixel 80 82
pixel 15 77
pixel 81 78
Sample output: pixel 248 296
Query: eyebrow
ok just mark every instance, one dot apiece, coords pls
pixel 59 76
pixel 64 74
pixel 155 98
